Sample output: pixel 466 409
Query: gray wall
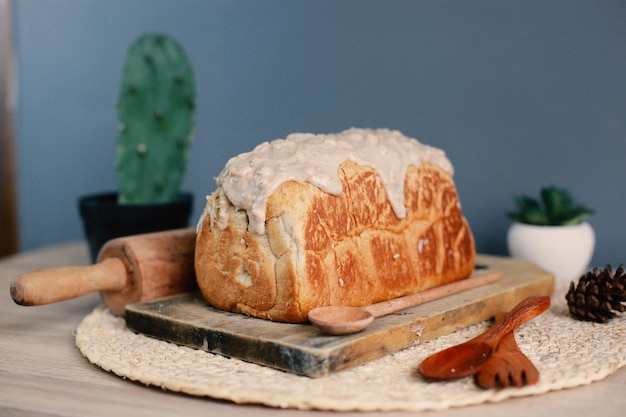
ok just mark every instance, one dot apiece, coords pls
pixel 521 94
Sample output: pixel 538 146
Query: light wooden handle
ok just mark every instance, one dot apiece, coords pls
pixel 59 284
pixel 402 303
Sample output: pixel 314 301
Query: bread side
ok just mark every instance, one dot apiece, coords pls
pixel 323 249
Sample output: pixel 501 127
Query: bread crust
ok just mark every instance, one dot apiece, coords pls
pixel 321 249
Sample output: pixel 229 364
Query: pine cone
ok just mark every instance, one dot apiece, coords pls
pixel 599 295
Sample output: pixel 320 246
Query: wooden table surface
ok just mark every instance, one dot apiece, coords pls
pixel 43 374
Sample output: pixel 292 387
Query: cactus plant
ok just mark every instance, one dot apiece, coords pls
pixel 557 208
pixel 156 107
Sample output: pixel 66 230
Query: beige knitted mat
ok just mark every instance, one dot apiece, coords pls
pixel 567 352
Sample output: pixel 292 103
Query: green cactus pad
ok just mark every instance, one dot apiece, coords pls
pixel 156 108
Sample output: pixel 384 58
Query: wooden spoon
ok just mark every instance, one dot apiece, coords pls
pixel 339 320
pixel 468 358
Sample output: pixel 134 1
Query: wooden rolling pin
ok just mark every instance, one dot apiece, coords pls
pixel 128 270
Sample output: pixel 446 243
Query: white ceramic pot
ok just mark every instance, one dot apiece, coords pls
pixel 564 251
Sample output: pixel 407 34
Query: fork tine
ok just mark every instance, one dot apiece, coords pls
pixel 484 379
pixel 502 380
pixel 516 378
pixel 531 374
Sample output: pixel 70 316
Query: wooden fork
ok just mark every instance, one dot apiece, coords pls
pixel 508 366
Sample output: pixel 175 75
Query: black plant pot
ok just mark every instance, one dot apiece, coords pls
pixel 104 219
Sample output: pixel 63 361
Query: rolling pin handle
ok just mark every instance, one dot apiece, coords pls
pixel 60 284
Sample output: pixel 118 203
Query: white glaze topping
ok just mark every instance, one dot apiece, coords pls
pixel 250 178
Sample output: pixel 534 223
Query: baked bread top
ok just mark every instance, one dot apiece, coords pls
pixel 248 179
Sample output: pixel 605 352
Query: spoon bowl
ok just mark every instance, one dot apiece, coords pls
pixel 452 364
pixel 338 320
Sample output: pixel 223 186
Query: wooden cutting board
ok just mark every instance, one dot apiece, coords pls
pixel 186 319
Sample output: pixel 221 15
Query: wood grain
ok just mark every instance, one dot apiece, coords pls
pixel 186 319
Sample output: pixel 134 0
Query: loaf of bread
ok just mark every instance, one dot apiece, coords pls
pixel 352 218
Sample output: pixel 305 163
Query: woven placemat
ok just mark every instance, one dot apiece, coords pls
pixel 567 353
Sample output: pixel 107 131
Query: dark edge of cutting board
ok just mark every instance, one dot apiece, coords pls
pixel 186 319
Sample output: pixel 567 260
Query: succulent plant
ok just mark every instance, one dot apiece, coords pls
pixel 156 107
pixel 556 208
